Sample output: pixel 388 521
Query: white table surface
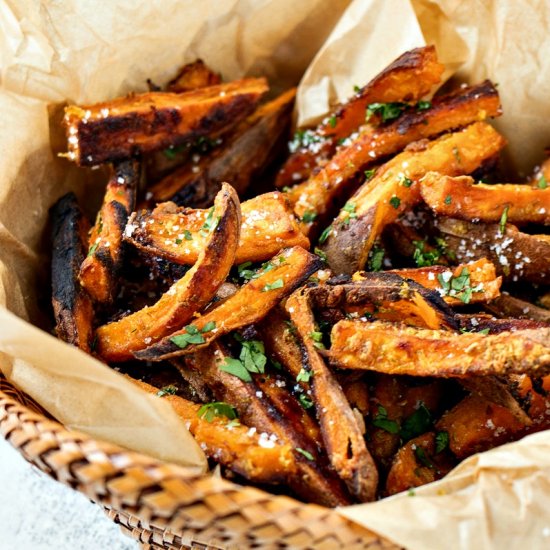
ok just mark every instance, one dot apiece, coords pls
pixel 37 513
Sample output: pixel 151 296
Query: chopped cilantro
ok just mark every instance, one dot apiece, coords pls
pixel 382 421
pixel 376 258
pixel 349 209
pixel 405 181
pixel 424 258
pixel 187 235
pixel 317 338
pixel 386 111
pixel 332 121
pixel 459 286
pixel 324 235
pixel 542 183
pixel 305 453
pixel 211 325
pixel 191 335
pixel 423 105
pixel 369 173
pixel 320 253
pixel 305 401
pixel 422 457
pixel 236 368
pixel 167 390
pixel 356 88
pixel 309 216
pixel 252 355
pixel 448 199
pixel 418 423
pixel 395 202
pixel 216 409
pixel 278 283
pixel 303 139
pixel 304 375
pixel 178 241
pixel 503 220
pixel 209 224
pixel 456 154
pixel 172 152
pixel 92 249
pixel 441 441
pixel 411 492
pixel 244 272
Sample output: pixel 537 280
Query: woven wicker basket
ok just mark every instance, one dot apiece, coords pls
pixel 164 506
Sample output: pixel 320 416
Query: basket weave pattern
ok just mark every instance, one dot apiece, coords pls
pixel 165 506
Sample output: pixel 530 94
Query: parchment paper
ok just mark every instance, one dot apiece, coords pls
pixel 83 51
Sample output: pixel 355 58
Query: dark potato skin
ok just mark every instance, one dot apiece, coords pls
pixel 125 127
pixel 118 341
pixel 73 310
pixel 100 270
pixel 244 154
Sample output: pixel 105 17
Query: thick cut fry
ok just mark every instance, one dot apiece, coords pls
pixel 475 425
pixel 408 78
pixel 118 341
pixel 72 307
pixel 372 144
pixel 509 306
pixel 312 483
pixel 128 126
pixel 232 444
pixel 416 464
pixel 245 154
pixel 342 435
pixel 487 323
pixel 387 296
pixel 541 174
pixel 194 76
pixel 174 233
pixel 516 255
pixel 460 197
pixel 279 278
pixel 395 189
pixel 481 284
pixel 100 270
pixel 394 349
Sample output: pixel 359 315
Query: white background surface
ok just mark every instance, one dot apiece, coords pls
pixel 37 513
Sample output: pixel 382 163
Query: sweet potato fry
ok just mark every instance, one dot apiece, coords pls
pixel 516 255
pixel 469 283
pixel 394 189
pixel 279 278
pixel 72 307
pixel 193 76
pixel 475 425
pixel 100 270
pixel 479 322
pixel 460 197
pixel 509 306
pixel 407 79
pixel 174 233
pixel 245 153
pixel 416 464
pixel 118 341
pixel 389 297
pixel 127 126
pixel 311 483
pixel 232 444
pixel 342 436
pixel 372 144
pixel 394 349
pixel 541 174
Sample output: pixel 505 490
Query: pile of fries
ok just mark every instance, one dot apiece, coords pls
pixel 336 328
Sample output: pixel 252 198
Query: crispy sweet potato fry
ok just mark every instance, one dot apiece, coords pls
pixel 280 277
pixel 491 325
pixel 311 483
pixel 118 341
pixel 516 255
pixel 408 78
pixel 246 153
pixel 394 349
pixel 100 270
pixel 372 144
pixel 481 280
pixel 127 126
pixel 389 297
pixel 475 425
pixel 416 464
pixel 72 307
pixel 342 436
pixel 194 76
pixel 394 189
pixel 174 233
pixel 233 445
pixel 460 197
pixel 509 306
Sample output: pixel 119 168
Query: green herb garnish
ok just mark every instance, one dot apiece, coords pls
pixel 192 335
pixel 423 105
pixel 422 457
pixel 382 421
pixel 236 368
pixel 503 220
pixel 304 375
pixel 307 454
pixel 395 202
pixel 369 173
pixel 212 410
pixel 424 258
pixel 459 286
pixel 278 283
pixel 448 199
pixel 309 216
pixel 542 183
pixel 376 258
pixel 418 423
pixel 324 235
pixel 305 401
pixel 386 111
pixel 441 441
pixel 167 390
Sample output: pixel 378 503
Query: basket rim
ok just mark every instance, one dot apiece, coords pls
pixel 164 504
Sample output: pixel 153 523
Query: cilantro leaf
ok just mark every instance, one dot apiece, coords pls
pixel 503 220
pixel 386 111
pixel 382 421
pixel 190 336
pixel 305 401
pixel 376 258
pixel 441 441
pixel 305 453
pixel 236 368
pixel 422 458
pixel 418 423
pixel 395 202
pixel 167 390
pixel 304 375
pixel 278 283
pixel 542 183
pixel 424 258
pixel 209 411
pixel 309 216
pixel 324 235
